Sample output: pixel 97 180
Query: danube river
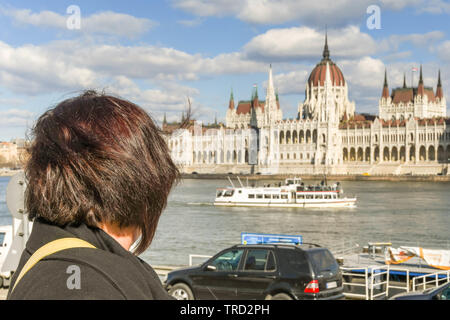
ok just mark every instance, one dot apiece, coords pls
pixel 406 213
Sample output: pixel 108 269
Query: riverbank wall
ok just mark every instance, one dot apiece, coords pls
pixel 350 171
pixel 396 178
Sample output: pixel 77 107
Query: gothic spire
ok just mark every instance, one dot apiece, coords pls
pixel 439 92
pixel 404 81
pixel 420 76
pixel 326 52
pixel 385 93
pixel 231 103
pixel 421 88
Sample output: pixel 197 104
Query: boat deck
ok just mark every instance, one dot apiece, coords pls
pixel 358 261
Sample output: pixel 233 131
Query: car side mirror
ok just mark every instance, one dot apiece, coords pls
pixel 210 267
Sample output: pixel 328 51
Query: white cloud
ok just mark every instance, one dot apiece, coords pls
pixel 420 40
pixel 443 51
pixel 293 82
pixel 107 22
pixel 305 12
pixel 435 7
pixel 299 43
pixel 33 70
pixel 76 65
pixel 15 117
pixel 209 8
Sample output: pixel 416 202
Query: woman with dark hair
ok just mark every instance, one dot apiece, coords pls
pixel 98 178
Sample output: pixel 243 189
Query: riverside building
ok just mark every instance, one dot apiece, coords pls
pixel 411 135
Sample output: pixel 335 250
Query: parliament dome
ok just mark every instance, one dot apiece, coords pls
pixel 317 75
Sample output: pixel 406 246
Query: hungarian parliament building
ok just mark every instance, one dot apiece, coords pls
pixel 410 135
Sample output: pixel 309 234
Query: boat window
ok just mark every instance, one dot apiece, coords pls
pixel 300 196
pixel 275 196
pixel 259 196
pixel 251 196
pixel 228 193
pixel 284 196
pixel 289 182
pixel 309 196
pixel 319 196
pixel 267 196
pixel 219 194
pixel 2 238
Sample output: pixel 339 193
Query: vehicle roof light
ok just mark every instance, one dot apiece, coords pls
pixel 264 238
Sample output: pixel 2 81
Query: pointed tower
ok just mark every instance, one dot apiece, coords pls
pixel 439 92
pixel 270 106
pixel 270 93
pixel 278 99
pixel 255 101
pixel 421 87
pixel 326 51
pixel 164 120
pixel 231 103
pixel 385 93
pixel 404 81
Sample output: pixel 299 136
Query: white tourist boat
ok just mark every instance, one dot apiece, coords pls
pixel 293 193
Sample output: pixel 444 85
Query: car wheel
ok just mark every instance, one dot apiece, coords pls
pixel 181 291
pixel 281 296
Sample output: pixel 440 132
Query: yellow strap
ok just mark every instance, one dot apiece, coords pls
pixel 48 249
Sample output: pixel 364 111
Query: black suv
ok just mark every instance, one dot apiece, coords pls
pixel 261 271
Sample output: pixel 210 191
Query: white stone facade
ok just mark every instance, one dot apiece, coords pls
pixel 327 137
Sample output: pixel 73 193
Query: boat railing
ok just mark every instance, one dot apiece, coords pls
pixel 196 256
pixel 344 247
pixel 430 280
pixel 374 282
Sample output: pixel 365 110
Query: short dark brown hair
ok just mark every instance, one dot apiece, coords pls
pixel 96 158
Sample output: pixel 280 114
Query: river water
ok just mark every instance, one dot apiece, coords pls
pixel 405 213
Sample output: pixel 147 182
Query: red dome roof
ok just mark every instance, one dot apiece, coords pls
pixel 319 72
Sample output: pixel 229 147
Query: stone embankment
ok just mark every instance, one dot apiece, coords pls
pixel 403 178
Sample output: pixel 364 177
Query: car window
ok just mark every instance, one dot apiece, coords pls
pixel 296 261
pixel 259 260
pixel 228 261
pixel 322 260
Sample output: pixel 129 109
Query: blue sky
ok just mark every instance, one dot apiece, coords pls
pixel 160 53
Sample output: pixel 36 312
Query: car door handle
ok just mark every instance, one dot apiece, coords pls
pixel 271 277
pixel 233 275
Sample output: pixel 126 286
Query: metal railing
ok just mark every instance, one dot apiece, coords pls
pixel 370 279
pixel 407 286
pixel 343 248
pixel 192 256
pixel 436 279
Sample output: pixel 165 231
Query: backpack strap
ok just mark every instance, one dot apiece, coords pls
pixel 48 249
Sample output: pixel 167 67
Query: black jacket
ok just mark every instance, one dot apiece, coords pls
pixel 108 272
